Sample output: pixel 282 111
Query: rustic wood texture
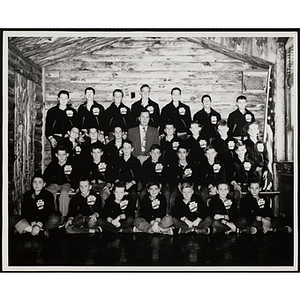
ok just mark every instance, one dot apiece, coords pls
pixel 25 110
pixel 48 50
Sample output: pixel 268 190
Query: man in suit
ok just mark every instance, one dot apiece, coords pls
pixel 143 136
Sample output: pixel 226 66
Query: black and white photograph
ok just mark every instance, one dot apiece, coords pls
pixel 150 150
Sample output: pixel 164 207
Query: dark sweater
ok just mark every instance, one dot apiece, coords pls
pixel 251 208
pixel 192 210
pixel 93 118
pixel 177 173
pixel 212 174
pixel 85 206
pixel 153 172
pixel 37 207
pixel 60 121
pixel 127 171
pixel 113 209
pixel 180 116
pixel 117 116
pixel 229 207
pixel 208 122
pixel 237 122
pixel 169 148
pixel 153 109
pixel 152 209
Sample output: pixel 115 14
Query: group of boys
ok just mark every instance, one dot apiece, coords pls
pixel 142 170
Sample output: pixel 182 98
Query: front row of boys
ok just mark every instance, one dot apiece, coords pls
pixel 189 212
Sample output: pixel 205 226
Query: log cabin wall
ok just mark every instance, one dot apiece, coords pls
pixel 25 111
pixel 162 63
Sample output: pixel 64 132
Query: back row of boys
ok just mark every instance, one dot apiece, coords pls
pixel 91 114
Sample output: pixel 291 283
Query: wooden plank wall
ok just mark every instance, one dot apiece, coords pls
pixel 160 62
pixel 25 110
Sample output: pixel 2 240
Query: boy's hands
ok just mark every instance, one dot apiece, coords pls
pixel 35 230
pixel 197 221
pixel 266 224
pixel 69 223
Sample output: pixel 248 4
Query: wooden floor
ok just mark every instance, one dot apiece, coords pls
pixel 272 249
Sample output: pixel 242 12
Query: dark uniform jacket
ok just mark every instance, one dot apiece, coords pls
pixel 92 118
pixel 152 209
pixel 37 207
pixel 180 116
pixel 60 121
pixel 237 122
pixel 153 109
pixel 194 209
pixel 208 122
pixel 85 206
pixel 113 209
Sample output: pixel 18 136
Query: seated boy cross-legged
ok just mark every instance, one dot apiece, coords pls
pixel 38 212
pixel 118 211
pixel 190 212
pixel 223 209
pixel 84 210
pixel 258 212
pixel 153 209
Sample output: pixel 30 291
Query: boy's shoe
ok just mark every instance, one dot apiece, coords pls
pixel 180 231
pixel 63 221
pixel 285 229
pixel 126 230
pixel 250 230
pixel 205 231
pixel 95 230
pixel 167 231
pixel 136 230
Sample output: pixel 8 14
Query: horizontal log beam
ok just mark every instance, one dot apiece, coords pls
pixel 255 61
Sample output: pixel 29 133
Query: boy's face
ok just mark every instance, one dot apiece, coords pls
pixel 63 99
pixel 253 130
pixel 74 133
pixel 96 154
pixel 223 190
pixel 38 184
pixel 89 94
pixel 144 118
pixel 170 130
pixel 241 104
pixel 223 130
pixel 254 189
pixel 93 134
pixel 187 193
pixel 195 129
pixel 241 150
pixel 155 154
pixel 117 97
pixel 119 193
pixel 182 153
pixel 145 92
pixel 62 155
pixel 211 154
pixel 84 187
pixel 206 102
pixel 118 133
pixel 127 149
pixel 153 190
pixel 176 95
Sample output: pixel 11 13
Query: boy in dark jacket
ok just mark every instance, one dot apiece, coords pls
pixel 38 213
pixel 258 212
pixel 224 211
pixel 153 209
pixel 61 176
pixel 59 120
pixel 118 212
pixel 84 210
pixel 190 212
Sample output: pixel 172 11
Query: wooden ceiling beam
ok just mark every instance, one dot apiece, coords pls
pixel 250 59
